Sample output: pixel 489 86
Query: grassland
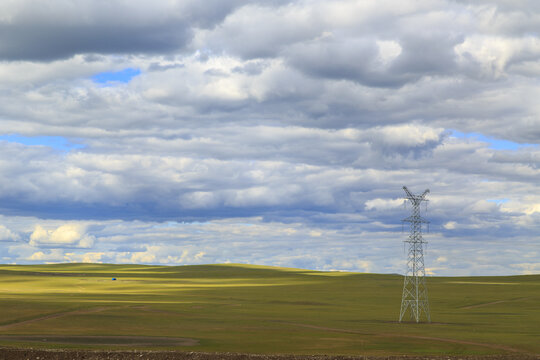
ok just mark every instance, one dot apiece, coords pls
pixel 251 309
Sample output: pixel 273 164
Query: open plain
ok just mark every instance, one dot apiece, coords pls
pixel 194 311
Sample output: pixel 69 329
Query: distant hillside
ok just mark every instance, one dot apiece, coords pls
pixel 260 309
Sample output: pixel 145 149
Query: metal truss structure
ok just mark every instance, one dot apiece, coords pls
pixel 415 296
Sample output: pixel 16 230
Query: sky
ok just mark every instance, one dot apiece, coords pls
pixel 270 132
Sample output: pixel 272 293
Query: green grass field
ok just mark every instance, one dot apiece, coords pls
pixel 252 309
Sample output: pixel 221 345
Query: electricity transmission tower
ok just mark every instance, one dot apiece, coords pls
pixel 415 296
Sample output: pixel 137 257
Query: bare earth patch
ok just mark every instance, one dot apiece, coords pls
pixel 104 340
pixel 16 354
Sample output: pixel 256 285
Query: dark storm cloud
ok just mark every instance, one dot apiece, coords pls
pixel 351 60
pixel 427 54
pixel 360 59
pixel 46 42
pixel 159 67
pixel 49 31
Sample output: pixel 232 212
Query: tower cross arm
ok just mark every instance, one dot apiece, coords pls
pixel 424 194
pixel 409 195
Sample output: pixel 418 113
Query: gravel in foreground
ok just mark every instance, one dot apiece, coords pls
pixel 34 354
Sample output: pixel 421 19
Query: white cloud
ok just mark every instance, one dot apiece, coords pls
pixel 388 50
pixel 527 268
pixel 54 255
pixel 65 235
pixel 87 257
pixel 441 259
pixel 383 204
pixel 8 235
pixel 496 55
pixel 407 135
pixel 289 151
pixel 450 225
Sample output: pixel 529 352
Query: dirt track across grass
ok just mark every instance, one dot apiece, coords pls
pixel 117 341
pixel 492 303
pixel 53 316
pixel 33 354
pixel 455 341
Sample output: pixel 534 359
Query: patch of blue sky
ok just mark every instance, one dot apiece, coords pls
pixel 169 224
pixel 175 224
pixel 494 143
pixel 498 201
pixel 55 142
pixel 111 78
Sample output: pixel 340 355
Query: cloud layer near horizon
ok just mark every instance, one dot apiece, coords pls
pixel 271 132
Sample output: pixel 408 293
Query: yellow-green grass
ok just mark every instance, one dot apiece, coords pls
pixel 255 309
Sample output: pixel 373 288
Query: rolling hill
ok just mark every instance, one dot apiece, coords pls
pixel 265 310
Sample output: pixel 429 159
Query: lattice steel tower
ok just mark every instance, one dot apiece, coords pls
pixel 415 296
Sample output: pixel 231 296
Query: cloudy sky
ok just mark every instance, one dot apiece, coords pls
pixel 270 132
